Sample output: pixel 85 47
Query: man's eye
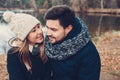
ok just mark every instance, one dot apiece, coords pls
pixel 54 29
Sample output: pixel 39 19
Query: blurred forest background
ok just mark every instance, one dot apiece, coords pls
pixel 77 5
pixel 81 7
pixel 102 18
pixel 49 3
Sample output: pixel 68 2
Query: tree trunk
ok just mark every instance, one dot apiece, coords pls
pixel 99 26
pixel 102 6
pixel 57 2
pixel 75 4
pixel 9 3
pixel 33 5
pixel 83 4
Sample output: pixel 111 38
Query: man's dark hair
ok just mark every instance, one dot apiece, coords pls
pixel 63 13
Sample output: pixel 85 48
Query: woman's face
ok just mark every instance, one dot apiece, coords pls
pixel 35 36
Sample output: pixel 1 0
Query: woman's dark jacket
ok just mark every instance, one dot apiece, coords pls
pixel 82 65
pixel 18 71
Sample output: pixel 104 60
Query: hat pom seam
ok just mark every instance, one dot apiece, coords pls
pixel 7 16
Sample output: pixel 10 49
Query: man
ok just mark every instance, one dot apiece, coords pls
pixel 68 45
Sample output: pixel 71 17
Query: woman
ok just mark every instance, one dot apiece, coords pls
pixel 26 59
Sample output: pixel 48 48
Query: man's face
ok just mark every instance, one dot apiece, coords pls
pixel 55 31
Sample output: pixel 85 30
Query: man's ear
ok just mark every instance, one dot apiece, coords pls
pixel 68 29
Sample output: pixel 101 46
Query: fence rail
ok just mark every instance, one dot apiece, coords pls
pixel 18 10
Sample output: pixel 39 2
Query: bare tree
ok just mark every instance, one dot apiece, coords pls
pixel 57 2
pixel 102 6
pixel 111 4
pixel 99 26
pixel 75 4
pixel 118 3
pixel 9 3
pixel 2 3
pixel 83 5
pixel 33 5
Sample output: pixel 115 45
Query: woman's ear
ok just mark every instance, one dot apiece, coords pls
pixel 68 29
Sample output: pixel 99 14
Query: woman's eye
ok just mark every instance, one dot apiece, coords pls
pixel 33 30
pixel 38 26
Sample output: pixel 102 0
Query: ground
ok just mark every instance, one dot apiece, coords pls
pixel 108 46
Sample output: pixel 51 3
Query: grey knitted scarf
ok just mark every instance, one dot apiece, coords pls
pixel 68 47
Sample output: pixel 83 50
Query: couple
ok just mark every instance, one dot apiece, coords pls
pixel 66 52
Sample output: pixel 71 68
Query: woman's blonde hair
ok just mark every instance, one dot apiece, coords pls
pixel 24 53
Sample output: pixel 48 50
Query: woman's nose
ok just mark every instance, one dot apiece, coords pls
pixel 39 30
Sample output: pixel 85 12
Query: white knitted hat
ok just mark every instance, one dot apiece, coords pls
pixel 20 23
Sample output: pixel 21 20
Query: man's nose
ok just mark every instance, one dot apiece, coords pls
pixel 48 32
